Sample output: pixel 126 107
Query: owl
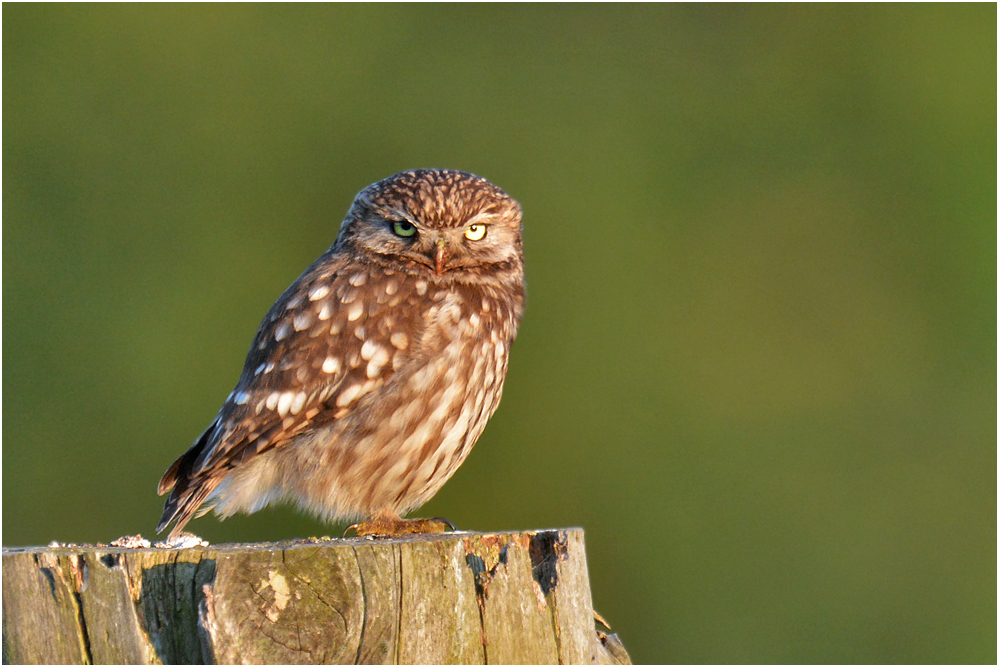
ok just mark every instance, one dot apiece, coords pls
pixel 372 376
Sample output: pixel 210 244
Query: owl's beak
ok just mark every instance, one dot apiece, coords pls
pixel 440 257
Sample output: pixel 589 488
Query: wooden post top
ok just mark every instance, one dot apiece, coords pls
pixel 459 597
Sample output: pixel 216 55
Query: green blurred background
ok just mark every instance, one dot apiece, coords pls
pixel 758 364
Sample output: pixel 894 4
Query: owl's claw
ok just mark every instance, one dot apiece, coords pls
pixel 394 527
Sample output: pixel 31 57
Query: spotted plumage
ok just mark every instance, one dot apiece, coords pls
pixel 372 376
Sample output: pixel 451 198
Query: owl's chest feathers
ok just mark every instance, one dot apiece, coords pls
pixel 458 320
pixel 399 444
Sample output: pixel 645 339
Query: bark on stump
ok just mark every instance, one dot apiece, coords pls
pixel 449 598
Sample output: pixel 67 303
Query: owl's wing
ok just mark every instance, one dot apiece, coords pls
pixel 318 351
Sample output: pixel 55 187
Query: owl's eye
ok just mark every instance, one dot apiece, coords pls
pixel 401 228
pixel 475 232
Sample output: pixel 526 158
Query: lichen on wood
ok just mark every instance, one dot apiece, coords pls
pixel 460 597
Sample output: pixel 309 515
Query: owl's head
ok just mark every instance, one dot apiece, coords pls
pixel 443 224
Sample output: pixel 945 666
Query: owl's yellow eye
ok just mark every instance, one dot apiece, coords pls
pixel 475 232
pixel 401 228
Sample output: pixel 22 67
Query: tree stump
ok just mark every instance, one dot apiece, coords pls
pixel 432 599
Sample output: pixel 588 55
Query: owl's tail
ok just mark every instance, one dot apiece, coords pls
pixel 188 490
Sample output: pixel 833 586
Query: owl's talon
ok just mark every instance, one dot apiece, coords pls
pixel 389 527
pixel 446 522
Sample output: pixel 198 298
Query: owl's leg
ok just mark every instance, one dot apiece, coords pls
pixel 390 525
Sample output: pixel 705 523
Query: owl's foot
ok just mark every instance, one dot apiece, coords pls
pixel 394 527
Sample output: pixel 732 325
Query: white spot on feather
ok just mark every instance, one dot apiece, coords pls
pixel 319 292
pixel 354 311
pixel 282 331
pixel 285 402
pixel 349 394
pixel 303 320
pixel 331 365
pixel 399 340
pixel 377 356
pixel 368 350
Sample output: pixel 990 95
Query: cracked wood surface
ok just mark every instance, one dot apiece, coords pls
pixel 470 598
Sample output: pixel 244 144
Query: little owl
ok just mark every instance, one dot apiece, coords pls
pixel 372 376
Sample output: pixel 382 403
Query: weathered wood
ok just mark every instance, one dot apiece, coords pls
pixel 449 598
